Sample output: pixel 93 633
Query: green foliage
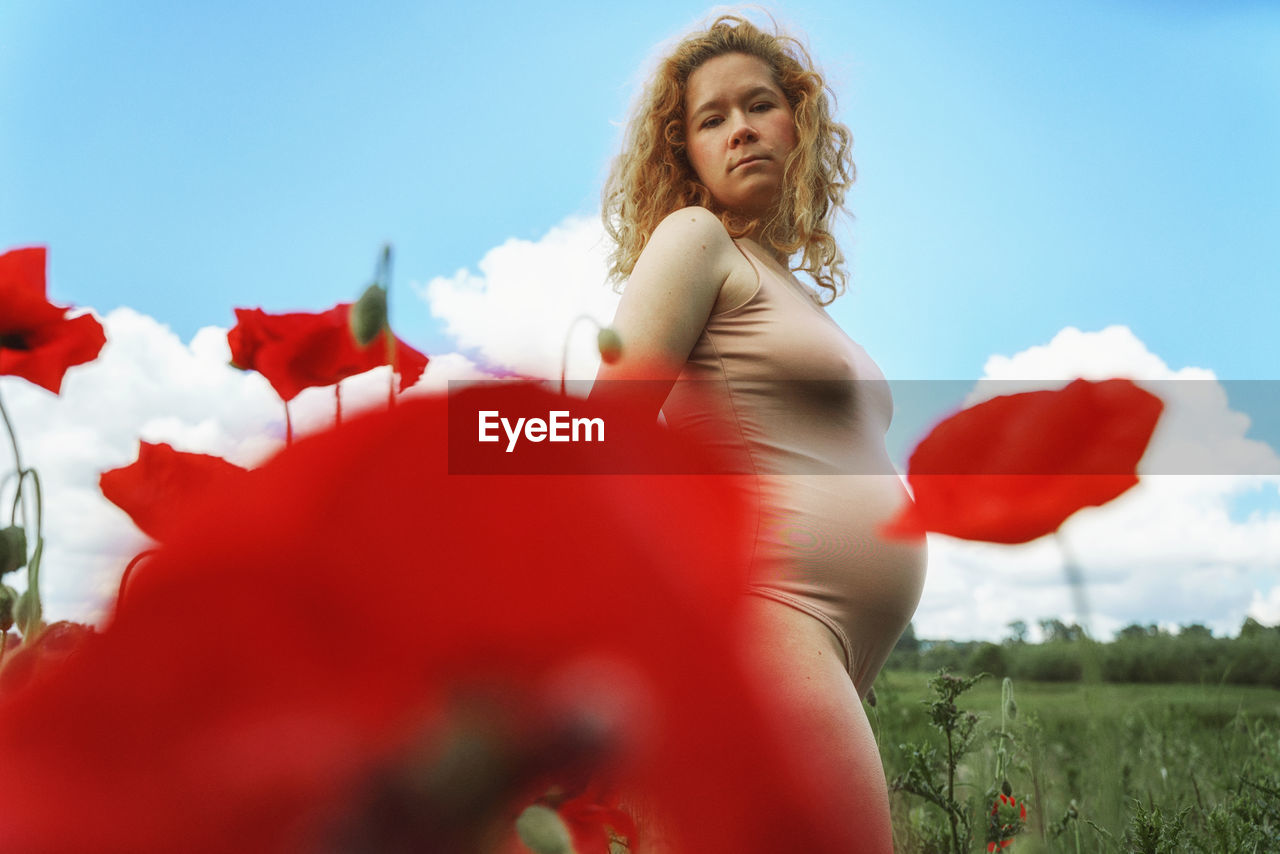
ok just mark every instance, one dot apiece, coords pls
pixel 987 658
pixel 1248 821
pixel 908 642
pixel 1153 833
pixel 1105 769
pixel 1046 662
pixel 1017 632
pixel 1143 654
pixel 1056 631
pixel 932 775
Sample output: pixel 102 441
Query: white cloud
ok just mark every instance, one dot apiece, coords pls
pixel 147 384
pixel 516 312
pixel 1172 550
pixel 1266 608
pixel 1167 551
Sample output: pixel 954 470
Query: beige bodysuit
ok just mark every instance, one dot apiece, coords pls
pixel 786 395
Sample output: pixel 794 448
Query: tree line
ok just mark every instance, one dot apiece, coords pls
pixel 1138 653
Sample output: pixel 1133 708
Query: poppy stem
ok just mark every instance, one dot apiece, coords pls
pixel 33 566
pixel 383 276
pixel 391 363
pixel 35 481
pixel 568 336
pixel 288 426
pixel 35 611
pixel 337 404
pixel 1090 661
pixel 1075 580
pixel 17 459
pixel 128 571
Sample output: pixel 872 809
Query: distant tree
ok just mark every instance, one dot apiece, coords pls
pixel 1134 630
pixel 1017 632
pixel 908 642
pixel 1252 628
pixel 1195 630
pixel 987 658
pixel 1056 630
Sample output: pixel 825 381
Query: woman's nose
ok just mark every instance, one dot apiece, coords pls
pixel 743 132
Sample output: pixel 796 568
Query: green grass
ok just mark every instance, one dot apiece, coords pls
pixel 1115 750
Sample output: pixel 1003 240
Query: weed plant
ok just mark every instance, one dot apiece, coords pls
pixel 1105 768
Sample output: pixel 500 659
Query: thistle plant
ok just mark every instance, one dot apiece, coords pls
pixel 934 777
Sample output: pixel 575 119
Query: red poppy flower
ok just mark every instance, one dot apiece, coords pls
pixel 159 488
pixel 590 817
pixel 349 643
pixel 38 342
pixel 301 350
pixel 1007 818
pixel 54 643
pixel 1013 468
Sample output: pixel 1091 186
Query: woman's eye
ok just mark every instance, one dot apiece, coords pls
pixel 711 122
pixel 761 107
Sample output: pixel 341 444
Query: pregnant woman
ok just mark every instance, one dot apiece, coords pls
pixel 732 172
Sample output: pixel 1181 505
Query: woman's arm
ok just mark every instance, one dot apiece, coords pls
pixel 665 305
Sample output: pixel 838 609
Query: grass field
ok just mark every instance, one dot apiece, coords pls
pixel 1100 767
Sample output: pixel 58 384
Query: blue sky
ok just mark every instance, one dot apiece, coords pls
pixel 1073 187
pixel 1022 166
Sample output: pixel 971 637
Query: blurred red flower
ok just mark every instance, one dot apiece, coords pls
pixel 590 817
pixel 55 642
pixel 1013 468
pixel 159 488
pixel 38 342
pixel 301 349
pixel 1008 817
pixel 350 645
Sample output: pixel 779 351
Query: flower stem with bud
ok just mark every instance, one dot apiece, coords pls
pixel 17 459
pixel 27 610
pixel 370 316
pixel 607 342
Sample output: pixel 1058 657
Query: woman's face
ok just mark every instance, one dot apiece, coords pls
pixel 738 131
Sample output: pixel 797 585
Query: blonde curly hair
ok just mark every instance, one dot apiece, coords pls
pixel 653 177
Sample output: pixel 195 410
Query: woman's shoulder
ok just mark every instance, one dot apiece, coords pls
pixel 690 227
pixel 689 245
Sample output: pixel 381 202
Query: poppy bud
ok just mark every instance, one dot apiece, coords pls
pixel 8 598
pixel 1006 699
pixel 543 831
pixel 13 549
pixel 27 613
pixel 610 345
pixel 1007 789
pixel 369 315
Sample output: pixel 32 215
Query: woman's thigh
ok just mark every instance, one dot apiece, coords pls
pixel 799 662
